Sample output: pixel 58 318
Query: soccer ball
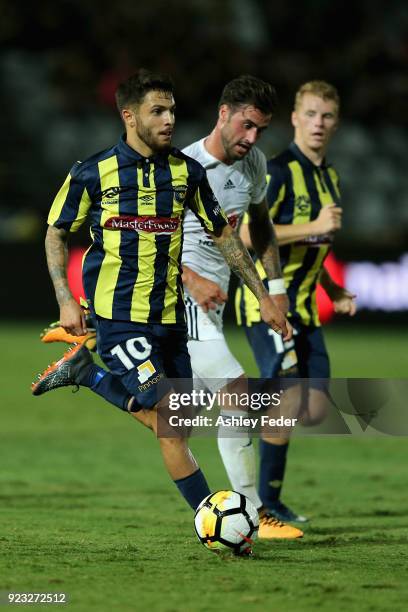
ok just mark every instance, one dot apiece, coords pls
pixel 227 521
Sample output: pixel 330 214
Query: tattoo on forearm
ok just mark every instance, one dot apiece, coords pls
pixel 240 262
pixel 271 262
pixel 56 251
pixel 266 247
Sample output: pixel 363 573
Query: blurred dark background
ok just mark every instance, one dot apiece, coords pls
pixel 61 61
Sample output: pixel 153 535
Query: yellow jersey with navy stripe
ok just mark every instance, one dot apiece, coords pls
pixel 297 190
pixel 136 205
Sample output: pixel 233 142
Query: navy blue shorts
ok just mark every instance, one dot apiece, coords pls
pixel 144 356
pixel 308 343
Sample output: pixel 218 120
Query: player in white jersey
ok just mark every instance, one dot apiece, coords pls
pixel 236 186
pixel 236 170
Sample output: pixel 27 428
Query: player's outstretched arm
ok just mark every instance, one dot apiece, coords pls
pixel 72 318
pixel 343 300
pixel 240 262
pixel 264 242
pixel 206 292
pixel 263 239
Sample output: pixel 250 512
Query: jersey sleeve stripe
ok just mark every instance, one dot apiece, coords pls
pixel 84 206
pixel 59 202
pixel 206 207
pixel 70 206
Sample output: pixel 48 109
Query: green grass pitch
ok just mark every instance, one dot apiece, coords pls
pixel 87 509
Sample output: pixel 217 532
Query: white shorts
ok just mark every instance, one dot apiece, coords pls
pixel 203 325
pixel 212 362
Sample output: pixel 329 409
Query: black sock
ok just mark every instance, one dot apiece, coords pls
pixel 105 384
pixel 193 488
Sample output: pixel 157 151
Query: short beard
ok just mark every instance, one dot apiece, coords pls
pixel 145 134
pixel 228 149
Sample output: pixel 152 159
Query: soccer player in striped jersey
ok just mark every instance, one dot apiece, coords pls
pixel 236 171
pixel 135 195
pixel 304 205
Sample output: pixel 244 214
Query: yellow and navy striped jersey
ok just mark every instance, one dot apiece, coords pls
pixel 132 270
pixel 297 190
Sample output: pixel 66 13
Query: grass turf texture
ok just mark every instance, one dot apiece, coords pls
pixel 86 507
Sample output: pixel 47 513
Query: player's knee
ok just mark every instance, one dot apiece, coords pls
pixel 315 409
pixel 145 418
pixel 173 446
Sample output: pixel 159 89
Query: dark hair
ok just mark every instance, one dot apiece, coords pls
pixel 133 90
pixel 247 89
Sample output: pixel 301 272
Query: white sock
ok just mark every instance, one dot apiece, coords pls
pixel 238 456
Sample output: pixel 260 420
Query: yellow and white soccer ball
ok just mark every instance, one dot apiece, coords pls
pixel 227 521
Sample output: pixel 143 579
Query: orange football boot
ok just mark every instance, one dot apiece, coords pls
pixel 64 372
pixel 270 528
pixel 55 333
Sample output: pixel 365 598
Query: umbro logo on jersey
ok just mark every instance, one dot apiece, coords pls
pixel 146 199
pixel 229 185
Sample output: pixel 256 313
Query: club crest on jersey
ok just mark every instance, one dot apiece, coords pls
pixel 180 192
pixel 303 205
pixel 155 225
